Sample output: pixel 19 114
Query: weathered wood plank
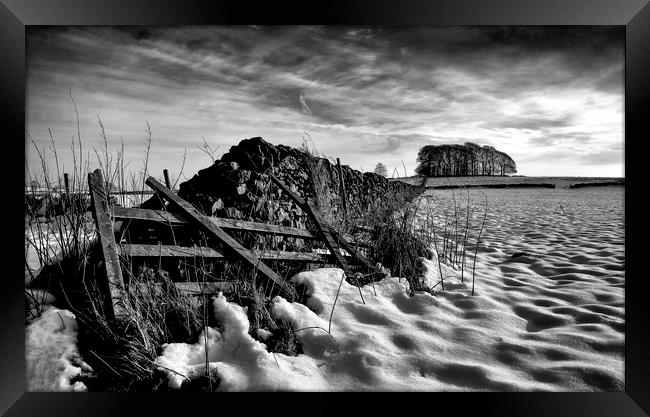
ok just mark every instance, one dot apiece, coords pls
pixel 138 213
pixel 233 246
pixel 166 251
pixel 269 229
pixel 138 192
pixel 190 288
pixel 242 225
pixel 290 256
pixel 113 287
pixel 197 288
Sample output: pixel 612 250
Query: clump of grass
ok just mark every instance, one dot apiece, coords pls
pixel 63 239
pixel 400 231
pixel 284 340
pixel 248 293
pixel 161 309
pixel 122 352
pixel 392 223
pixel 454 236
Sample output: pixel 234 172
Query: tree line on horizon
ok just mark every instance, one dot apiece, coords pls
pixel 468 159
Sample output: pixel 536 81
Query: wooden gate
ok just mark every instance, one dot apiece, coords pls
pixel 179 212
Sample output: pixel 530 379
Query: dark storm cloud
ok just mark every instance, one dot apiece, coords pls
pixel 397 86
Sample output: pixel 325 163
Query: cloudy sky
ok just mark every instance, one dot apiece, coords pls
pixel 550 97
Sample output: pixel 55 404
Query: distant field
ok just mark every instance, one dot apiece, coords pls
pixel 559 182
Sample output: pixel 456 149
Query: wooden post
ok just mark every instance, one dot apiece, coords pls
pixel 66 181
pixel 344 196
pixel 231 244
pixel 166 175
pixel 113 284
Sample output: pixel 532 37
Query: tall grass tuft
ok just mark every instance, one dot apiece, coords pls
pixel 60 239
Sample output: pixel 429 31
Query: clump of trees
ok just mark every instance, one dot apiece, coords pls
pixel 463 160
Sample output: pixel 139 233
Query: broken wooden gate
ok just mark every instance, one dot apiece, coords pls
pixel 180 212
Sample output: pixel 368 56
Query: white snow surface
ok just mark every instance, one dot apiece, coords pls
pixel 450 341
pixel 390 343
pixel 51 352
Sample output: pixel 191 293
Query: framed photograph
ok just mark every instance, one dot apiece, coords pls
pixel 438 198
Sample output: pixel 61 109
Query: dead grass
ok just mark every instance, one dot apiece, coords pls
pixel 62 237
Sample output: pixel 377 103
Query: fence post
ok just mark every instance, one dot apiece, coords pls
pixel 66 181
pixel 113 283
pixel 166 175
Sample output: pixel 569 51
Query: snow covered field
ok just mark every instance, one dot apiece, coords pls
pixel 552 268
pixel 548 314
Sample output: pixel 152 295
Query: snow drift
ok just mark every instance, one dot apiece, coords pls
pixel 51 352
pixel 450 341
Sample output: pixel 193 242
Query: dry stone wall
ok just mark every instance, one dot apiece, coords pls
pixel 238 186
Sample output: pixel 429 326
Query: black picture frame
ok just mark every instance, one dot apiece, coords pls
pixel 633 14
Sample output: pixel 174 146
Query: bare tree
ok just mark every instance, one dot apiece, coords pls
pixel 208 150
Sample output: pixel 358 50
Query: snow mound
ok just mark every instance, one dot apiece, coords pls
pixel 51 352
pixel 446 341
pixel 376 346
pixel 431 271
pixel 240 362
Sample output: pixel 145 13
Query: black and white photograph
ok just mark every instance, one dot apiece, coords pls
pixel 325 208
